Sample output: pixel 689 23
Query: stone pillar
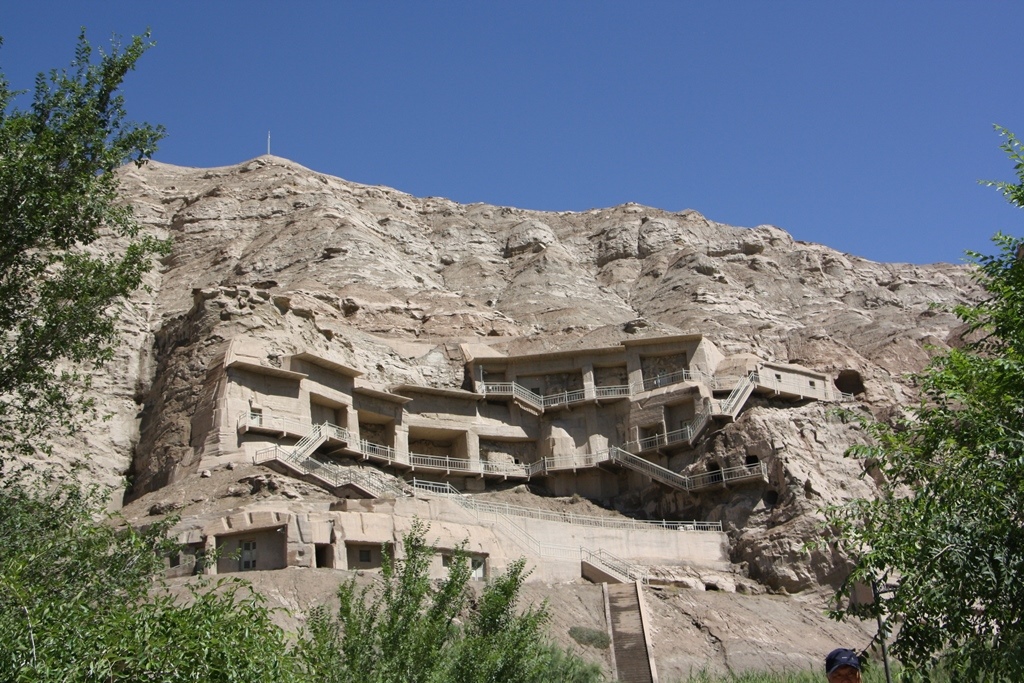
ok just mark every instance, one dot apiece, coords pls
pixel 470 445
pixel 588 382
pixel 399 437
pixel 352 424
pixel 634 371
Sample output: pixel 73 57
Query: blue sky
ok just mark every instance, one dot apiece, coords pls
pixel 863 126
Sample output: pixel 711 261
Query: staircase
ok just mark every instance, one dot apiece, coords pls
pixel 300 458
pixel 309 443
pixel 634 661
pixel 367 481
pixel 730 407
pixel 656 472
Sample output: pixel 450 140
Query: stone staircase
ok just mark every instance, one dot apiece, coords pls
pixel 634 661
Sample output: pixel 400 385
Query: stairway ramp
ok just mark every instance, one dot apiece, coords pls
pixel 730 407
pixel 631 643
pixel 368 482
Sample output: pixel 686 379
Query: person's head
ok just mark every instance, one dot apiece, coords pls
pixel 842 666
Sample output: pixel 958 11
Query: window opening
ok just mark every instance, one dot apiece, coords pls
pixel 248 555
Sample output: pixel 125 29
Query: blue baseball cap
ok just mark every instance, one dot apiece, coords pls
pixel 841 656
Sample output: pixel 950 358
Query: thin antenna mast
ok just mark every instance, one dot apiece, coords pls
pixel 268 143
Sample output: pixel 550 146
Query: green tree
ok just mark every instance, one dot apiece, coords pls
pixel 78 601
pixel 58 195
pixel 946 533
pixel 403 630
pixel 75 587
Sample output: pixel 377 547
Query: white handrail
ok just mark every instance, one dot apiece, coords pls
pixel 574 462
pixel 739 393
pixel 565 397
pixel 446 489
pixel 331 473
pixel 271 422
pixel 676 377
pixel 618 566
pixel 309 443
pixel 687 433
pixel 666 476
pixel 741 472
pixel 612 391
pixel 624 568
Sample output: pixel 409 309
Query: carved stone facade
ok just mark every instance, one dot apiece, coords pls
pixel 552 418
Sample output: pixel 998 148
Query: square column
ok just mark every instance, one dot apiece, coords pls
pixel 352 424
pixel 588 382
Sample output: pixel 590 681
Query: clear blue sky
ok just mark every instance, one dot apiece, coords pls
pixel 864 126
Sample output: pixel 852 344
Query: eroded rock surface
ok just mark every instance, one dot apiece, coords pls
pixel 392 283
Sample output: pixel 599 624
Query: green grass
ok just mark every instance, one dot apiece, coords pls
pixel 590 636
pixel 873 674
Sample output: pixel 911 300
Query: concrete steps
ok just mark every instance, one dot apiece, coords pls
pixel 634 662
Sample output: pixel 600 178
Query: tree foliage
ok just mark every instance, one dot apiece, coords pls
pixel 80 595
pixel 58 195
pixel 947 532
pixel 78 601
pixel 404 630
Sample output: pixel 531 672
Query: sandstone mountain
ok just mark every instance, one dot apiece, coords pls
pixel 392 284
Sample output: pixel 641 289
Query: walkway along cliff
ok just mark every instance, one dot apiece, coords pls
pixel 630 393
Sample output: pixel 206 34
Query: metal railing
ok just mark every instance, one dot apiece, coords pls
pixel 333 431
pixel 535 468
pixel 676 377
pixel 376 484
pixel 626 570
pixel 817 388
pixel 379 451
pixel 516 391
pixel 691 429
pixel 738 395
pixel 656 472
pixel 574 462
pixel 447 490
pixel 309 443
pixel 614 565
pixel 685 434
pixel 613 392
pixel 443 462
pixel 565 398
pixel 509 469
pixel 587 520
pixel 647 443
pixel 436 488
pixel 716 477
pixel 302 451
pixel 286 425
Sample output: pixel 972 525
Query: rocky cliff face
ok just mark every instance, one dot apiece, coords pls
pixel 391 283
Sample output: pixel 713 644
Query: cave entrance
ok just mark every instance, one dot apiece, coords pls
pixel 850 382
pixel 324 556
